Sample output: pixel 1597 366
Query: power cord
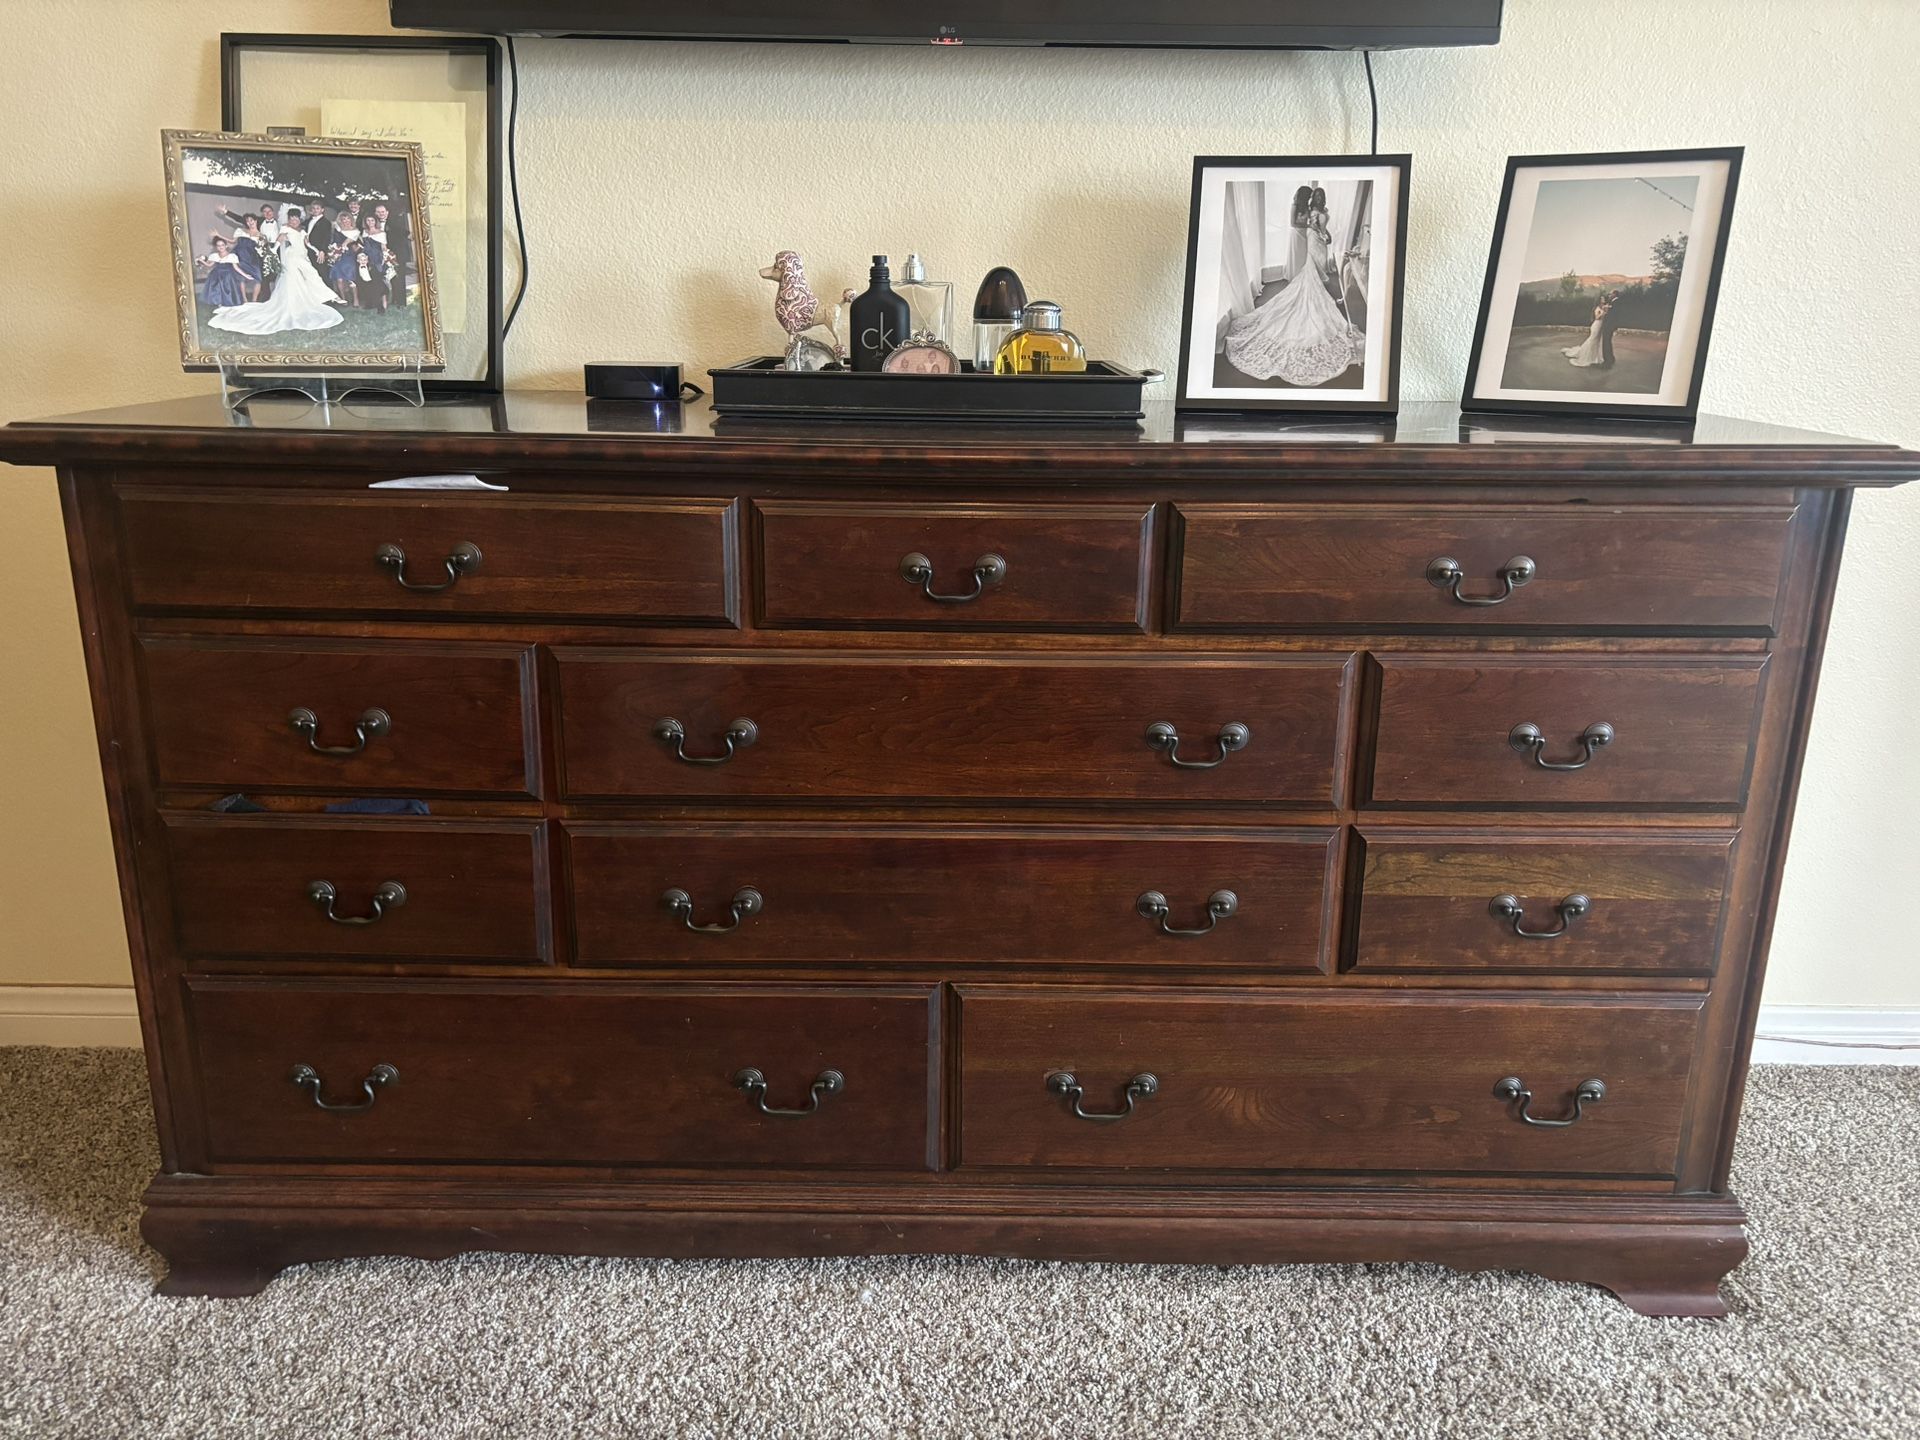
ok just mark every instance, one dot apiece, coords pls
pixel 1373 100
pixel 1835 1044
pixel 513 179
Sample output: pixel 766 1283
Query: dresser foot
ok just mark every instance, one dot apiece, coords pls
pixel 209 1256
pixel 1703 1302
pixel 215 1281
pixel 1667 1270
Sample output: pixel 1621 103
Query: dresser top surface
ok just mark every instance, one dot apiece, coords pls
pixel 1427 441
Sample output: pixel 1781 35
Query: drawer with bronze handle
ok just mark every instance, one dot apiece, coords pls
pixel 928 566
pixel 1647 902
pixel 1084 728
pixel 426 1072
pixel 1672 732
pixel 970 895
pixel 1240 1080
pixel 340 716
pixel 340 887
pixel 423 556
pixel 1679 568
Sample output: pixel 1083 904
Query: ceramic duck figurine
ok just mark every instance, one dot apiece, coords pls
pixel 798 309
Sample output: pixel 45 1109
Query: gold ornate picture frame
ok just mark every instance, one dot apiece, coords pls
pixel 295 251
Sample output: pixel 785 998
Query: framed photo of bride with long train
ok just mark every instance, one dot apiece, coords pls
pixel 1602 283
pixel 298 251
pixel 1295 277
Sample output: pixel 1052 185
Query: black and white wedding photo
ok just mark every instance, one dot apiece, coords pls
pixel 296 250
pixel 1293 283
pixel 1601 287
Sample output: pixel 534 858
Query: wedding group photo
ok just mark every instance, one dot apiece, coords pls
pixel 1293 284
pixel 296 249
pixel 1602 281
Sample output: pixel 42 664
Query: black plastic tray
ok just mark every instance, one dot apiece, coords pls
pixel 1105 395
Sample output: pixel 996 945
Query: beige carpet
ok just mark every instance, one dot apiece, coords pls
pixel 1824 1340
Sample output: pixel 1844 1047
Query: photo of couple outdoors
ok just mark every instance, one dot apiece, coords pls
pixel 306 250
pixel 1600 285
pixel 1294 270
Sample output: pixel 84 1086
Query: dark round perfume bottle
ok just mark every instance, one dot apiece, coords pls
pixel 879 319
pixel 996 311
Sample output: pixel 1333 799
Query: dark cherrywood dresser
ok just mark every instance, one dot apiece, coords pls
pixel 1213 843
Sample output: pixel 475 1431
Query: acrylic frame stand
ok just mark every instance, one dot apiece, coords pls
pixel 240 383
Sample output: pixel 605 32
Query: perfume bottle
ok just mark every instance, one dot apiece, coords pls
pixel 1041 346
pixel 879 319
pixel 996 313
pixel 929 303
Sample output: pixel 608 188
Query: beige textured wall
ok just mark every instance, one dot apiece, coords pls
pixel 658 178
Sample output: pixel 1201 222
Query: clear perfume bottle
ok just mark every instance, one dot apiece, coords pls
pixel 930 303
pixel 1041 346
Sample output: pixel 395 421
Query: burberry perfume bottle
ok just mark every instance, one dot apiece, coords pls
pixel 1041 346
pixel 929 303
pixel 879 319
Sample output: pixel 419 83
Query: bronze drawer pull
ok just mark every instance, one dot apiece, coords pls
pixel 1528 739
pixel 1507 907
pixel 740 734
pixel 988 570
pixel 1591 1092
pixel 1445 573
pixel 746 902
pixel 464 559
pixel 1233 736
pixel 371 726
pixel 827 1082
pixel 1221 905
pixel 1140 1087
pixel 391 895
pixel 308 1079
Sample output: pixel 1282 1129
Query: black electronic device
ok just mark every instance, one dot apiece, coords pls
pixel 636 380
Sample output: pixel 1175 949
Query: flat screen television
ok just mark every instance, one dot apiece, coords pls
pixel 1125 24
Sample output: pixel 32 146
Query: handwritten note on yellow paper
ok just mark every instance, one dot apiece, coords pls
pixel 441 128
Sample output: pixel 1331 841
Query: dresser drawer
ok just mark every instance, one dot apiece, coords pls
pixel 960 895
pixel 1645 567
pixel 666 561
pixel 1246 1081
pixel 246 886
pixel 939 567
pixel 1492 730
pixel 961 726
pixel 1545 903
pixel 566 1074
pixel 366 717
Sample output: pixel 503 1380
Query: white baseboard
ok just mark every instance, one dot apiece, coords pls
pixel 1788 1034
pixel 1836 1035
pixel 68 1015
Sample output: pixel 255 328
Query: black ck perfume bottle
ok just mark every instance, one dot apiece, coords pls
pixel 881 319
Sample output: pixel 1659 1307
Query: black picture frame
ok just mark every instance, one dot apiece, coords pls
pixel 1298 401
pixel 1474 404
pixel 232 48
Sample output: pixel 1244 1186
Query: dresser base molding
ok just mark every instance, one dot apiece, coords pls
pixel 230 1237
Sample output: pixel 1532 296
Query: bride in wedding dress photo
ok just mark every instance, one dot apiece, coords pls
pixel 1303 335
pixel 301 300
pixel 271 198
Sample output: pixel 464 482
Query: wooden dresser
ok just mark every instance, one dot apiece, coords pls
pixel 1208 844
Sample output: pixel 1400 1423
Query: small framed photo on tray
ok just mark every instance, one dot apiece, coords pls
pixel 1601 287
pixel 293 251
pixel 1295 275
